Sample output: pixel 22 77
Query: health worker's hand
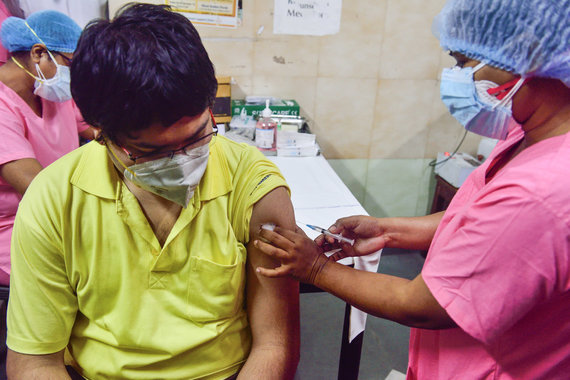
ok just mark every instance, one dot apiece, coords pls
pixel 368 232
pixel 299 256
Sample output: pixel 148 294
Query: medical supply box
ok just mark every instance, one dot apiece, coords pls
pixel 222 106
pixel 456 168
pixel 278 107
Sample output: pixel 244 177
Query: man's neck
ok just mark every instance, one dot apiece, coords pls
pixel 160 213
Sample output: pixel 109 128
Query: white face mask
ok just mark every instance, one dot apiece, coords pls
pixel 174 178
pixel 56 89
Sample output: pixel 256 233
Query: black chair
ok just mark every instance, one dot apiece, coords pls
pixel 349 362
pixel 4 294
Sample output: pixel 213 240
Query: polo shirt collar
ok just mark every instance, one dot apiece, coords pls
pixel 216 180
pixel 96 174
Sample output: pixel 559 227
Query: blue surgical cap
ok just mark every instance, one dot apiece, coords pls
pixel 526 37
pixel 57 31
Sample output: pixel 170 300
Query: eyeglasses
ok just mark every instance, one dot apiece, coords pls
pixel 66 59
pixel 170 154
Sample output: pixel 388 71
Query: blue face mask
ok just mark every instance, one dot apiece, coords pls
pixel 470 103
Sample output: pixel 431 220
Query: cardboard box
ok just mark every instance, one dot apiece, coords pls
pixel 281 107
pixel 222 104
pixel 455 169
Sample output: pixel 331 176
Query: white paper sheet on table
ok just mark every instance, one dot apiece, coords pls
pixel 314 184
pixel 320 198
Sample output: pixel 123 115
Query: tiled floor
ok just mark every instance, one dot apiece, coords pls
pixel 385 346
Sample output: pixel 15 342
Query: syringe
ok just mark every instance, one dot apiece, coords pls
pixel 338 237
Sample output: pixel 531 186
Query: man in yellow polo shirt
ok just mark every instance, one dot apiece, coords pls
pixel 133 252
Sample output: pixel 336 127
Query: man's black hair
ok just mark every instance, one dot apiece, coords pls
pixel 146 66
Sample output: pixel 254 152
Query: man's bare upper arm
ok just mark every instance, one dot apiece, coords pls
pixel 272 304
pixel 276 208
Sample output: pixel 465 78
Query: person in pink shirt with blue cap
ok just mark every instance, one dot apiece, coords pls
pixel 493 298
pixel 39 122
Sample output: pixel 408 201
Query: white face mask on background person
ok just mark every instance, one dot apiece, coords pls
pixel 56 89
pixel 471 104
pixel 174 178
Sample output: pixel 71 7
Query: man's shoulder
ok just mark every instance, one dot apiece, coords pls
pixel 55 179
pixel 241 159
pixel 237 152
pixel 65 166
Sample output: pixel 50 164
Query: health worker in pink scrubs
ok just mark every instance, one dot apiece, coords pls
pixel 493 298
pixel 38 120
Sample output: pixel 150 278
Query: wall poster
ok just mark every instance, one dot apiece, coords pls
pixel 222 13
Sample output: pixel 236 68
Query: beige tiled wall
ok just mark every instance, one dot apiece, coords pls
pixel 370 92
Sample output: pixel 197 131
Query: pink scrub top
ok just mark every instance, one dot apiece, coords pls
pixel 499 265
pixel 23 134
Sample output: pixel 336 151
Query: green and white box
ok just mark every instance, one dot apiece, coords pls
pixel 279 107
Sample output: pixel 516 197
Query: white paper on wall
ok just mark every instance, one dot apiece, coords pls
pixel 81 11
pixel 307 17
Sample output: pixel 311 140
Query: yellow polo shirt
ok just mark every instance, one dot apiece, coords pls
pixel 88 272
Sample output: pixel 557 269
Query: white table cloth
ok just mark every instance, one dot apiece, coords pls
pixel 320 198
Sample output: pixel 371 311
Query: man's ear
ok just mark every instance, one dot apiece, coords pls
pixel 98 135
pixel 36 53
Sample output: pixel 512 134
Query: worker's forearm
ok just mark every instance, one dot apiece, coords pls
pixel 412 232
pixel 384 296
